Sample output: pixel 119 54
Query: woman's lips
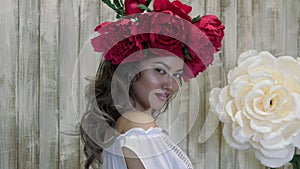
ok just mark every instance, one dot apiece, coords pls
pixel 162 96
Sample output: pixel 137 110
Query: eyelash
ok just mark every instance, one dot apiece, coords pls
pixel 162 71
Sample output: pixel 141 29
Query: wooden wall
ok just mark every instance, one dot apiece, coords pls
pixel 42 82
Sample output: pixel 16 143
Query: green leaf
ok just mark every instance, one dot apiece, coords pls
pixel 144 7
pixel 186 53
pixel 296 161
pixel 108 3
pixel 196 19
pixel 117 3
pixel 116 7
pixel 148 2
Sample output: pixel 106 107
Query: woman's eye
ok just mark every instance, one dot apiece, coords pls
pixel 177 75
pixel 161 71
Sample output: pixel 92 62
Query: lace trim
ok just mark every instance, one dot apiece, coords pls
pixel 178 152
pixel 152 131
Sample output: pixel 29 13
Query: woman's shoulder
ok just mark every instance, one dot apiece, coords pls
pixel 131 120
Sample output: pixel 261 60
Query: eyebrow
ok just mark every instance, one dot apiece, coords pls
pixel 167 66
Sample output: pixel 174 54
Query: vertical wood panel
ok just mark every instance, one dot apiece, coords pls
pixel 229 17
pixel 68 53
pixel 195 150
pixel 28 85
pixel 8 81
pixel 41 40
pixel 245 41
pixel 48 101
pixel 259 26
pixel 275 26
pixel 291 27
pixel 89 18
pixel 213 144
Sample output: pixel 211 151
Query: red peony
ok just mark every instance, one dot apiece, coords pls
pixel 201 52
pixel 213 29
pixel 101 25
pixel 116 40
pixel 176 7
pixel 168 30
pixel 131 6
pixel 164 32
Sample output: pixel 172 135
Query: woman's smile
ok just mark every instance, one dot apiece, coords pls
pixel 162 96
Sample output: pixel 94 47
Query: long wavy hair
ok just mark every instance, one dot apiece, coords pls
pixel 103 109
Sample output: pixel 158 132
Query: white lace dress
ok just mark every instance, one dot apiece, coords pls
pixel 153 147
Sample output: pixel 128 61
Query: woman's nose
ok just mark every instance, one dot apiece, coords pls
pixel 170 83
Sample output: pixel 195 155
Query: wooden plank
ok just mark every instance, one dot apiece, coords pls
pixel 245 159
pixel 229 17
pixel 195 117
pixel 8 84
pixel 213 7
pixel 212 146
pixel 244 28
pixel 88 60
pixel 291 27
pixel 69 140
pixel 28 85
pixel 298 23
pixel 228 57
pixel 260 28
pixel 48 104
pixel 196 151
pixel 275 24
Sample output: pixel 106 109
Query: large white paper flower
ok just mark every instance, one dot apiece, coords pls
pixel 260 106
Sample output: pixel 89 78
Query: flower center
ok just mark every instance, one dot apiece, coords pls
pixel 271 102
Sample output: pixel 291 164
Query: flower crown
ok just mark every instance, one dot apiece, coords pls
pixel 166 29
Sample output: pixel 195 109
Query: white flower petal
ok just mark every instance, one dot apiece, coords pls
pixel 275 162
pixel 296 141
pixel 275 143
pixel 230 110
pixel 260 126
pixel 296 103
pixel 290 130
pixel 246 55
pixel 281 153
pixel 241 133
pixel 258 76
pixel 289 65
pixel 292 84
pixel 268 59
pixel 238 118
pixel 227 133
pixel 238 91
pixel 248 102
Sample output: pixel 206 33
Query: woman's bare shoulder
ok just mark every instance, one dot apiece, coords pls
pixel 131 120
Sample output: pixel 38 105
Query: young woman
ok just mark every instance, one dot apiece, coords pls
pixel 146 58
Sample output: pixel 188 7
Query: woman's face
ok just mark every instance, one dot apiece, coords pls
pixel 159 79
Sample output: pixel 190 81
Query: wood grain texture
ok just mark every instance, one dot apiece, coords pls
pixel 48 96
pixel 8 85
pixel 42 77
pixel 28 85
pixel 88 60
pixel 69 141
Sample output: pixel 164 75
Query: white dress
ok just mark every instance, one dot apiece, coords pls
pixel 153 147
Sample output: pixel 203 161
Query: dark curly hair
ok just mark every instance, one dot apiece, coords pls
pixel 103 109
